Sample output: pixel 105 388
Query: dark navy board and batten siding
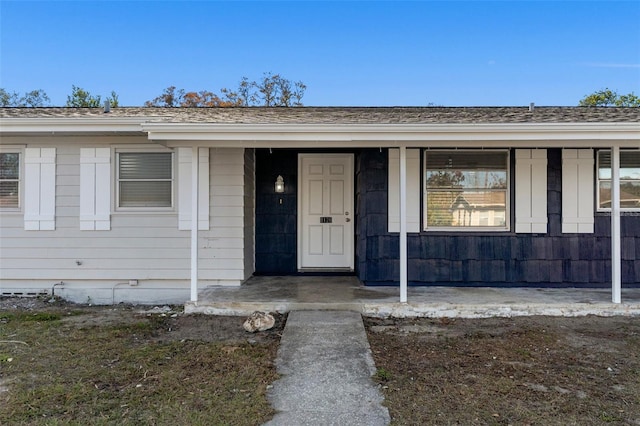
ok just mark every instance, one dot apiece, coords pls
pixel 455 258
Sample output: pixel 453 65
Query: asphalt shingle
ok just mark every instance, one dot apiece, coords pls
pixel 344 115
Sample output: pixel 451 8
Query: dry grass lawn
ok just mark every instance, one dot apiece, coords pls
pixel 519 371
pixel 90 366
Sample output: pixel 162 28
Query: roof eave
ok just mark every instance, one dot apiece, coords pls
pixel 373 134
pixel 71 125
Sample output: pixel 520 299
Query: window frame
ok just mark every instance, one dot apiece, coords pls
pixel 20 180
pixel 600 209
pixel 172 180
pixel 507 191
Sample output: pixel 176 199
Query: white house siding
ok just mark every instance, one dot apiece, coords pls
pixel 223 247
pixel 97 266
pixel 249 212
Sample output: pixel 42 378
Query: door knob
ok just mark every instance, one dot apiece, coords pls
pixel 347 219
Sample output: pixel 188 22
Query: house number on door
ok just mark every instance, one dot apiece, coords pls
pixel 326 219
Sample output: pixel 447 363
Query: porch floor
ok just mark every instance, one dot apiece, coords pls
pixel 284 294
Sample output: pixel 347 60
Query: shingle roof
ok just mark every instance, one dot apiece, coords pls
pixel 343 115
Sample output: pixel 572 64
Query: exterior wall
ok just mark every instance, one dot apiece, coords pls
pixel 147 246
pixel 222 247
pixel 276 223
pixel 493 259
pixel 249 198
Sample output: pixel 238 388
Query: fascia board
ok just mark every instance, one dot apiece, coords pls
pixel 396 132
pixel 71 125
pixel 418 143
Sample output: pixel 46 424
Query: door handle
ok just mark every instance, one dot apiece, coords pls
pixel 348 219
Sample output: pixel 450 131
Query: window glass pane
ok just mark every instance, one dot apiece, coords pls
pixel 156 165
pixel 604 190
pixel 9 194
pixel 9 166
pixel 466 188
pixel 629 165
pixel 466 208
pixel 630 194
pixel 145 194
pixel 496 179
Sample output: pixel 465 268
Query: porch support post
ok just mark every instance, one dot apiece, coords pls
pixel 403 224
pixel 616 262
pixel 195 165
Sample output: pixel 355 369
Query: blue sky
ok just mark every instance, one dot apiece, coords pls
pixel 451 53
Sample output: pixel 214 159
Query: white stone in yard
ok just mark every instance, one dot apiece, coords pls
pixel 259 321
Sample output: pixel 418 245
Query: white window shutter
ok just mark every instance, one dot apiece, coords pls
pixel 531 190
pixel 577 191
pixel 95 189
pixel 413 190
pixel 40 189
pixel 184 190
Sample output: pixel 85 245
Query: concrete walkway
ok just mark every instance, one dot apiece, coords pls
pixel 326 366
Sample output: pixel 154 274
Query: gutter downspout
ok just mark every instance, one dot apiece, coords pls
pixel 195 165
pixel 403 224
pixel 616 262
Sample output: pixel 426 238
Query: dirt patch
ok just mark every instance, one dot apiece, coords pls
pixel 530 370
pixel 173 324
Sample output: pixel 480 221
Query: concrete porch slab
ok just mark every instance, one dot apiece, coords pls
pixel 291 293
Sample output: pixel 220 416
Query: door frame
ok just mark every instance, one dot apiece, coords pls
pixel 351 235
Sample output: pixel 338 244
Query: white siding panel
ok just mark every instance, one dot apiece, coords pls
pixel 249 213
pixel 226 232
pixel 40 189
pixel 102 264
pixel 95 253
pixel 90 242
pixel 229 180
pixel 413 190
pixel 115 275
pixel 228 201
pixel 531 190
pixel 227 236
pixel 67 201
pixel 68 180
pixel 143 245
pixel 221 264
pixel 227 274
pixel 577 191
pixel 221 211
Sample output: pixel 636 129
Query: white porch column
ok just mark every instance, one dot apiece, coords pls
pixel 195 163
pixel 403 224
pixel 616 262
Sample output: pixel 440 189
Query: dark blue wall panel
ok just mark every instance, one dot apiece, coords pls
pixel 457 258
pixel 496 259
pixel 276 223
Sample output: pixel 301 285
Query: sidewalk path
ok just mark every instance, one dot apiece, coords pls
pixel 326 366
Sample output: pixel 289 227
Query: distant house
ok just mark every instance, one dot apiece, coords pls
pixel 151 204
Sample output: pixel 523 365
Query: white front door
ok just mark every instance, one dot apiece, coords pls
pixel 325 211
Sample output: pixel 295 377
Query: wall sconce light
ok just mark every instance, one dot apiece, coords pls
pixel 279 185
